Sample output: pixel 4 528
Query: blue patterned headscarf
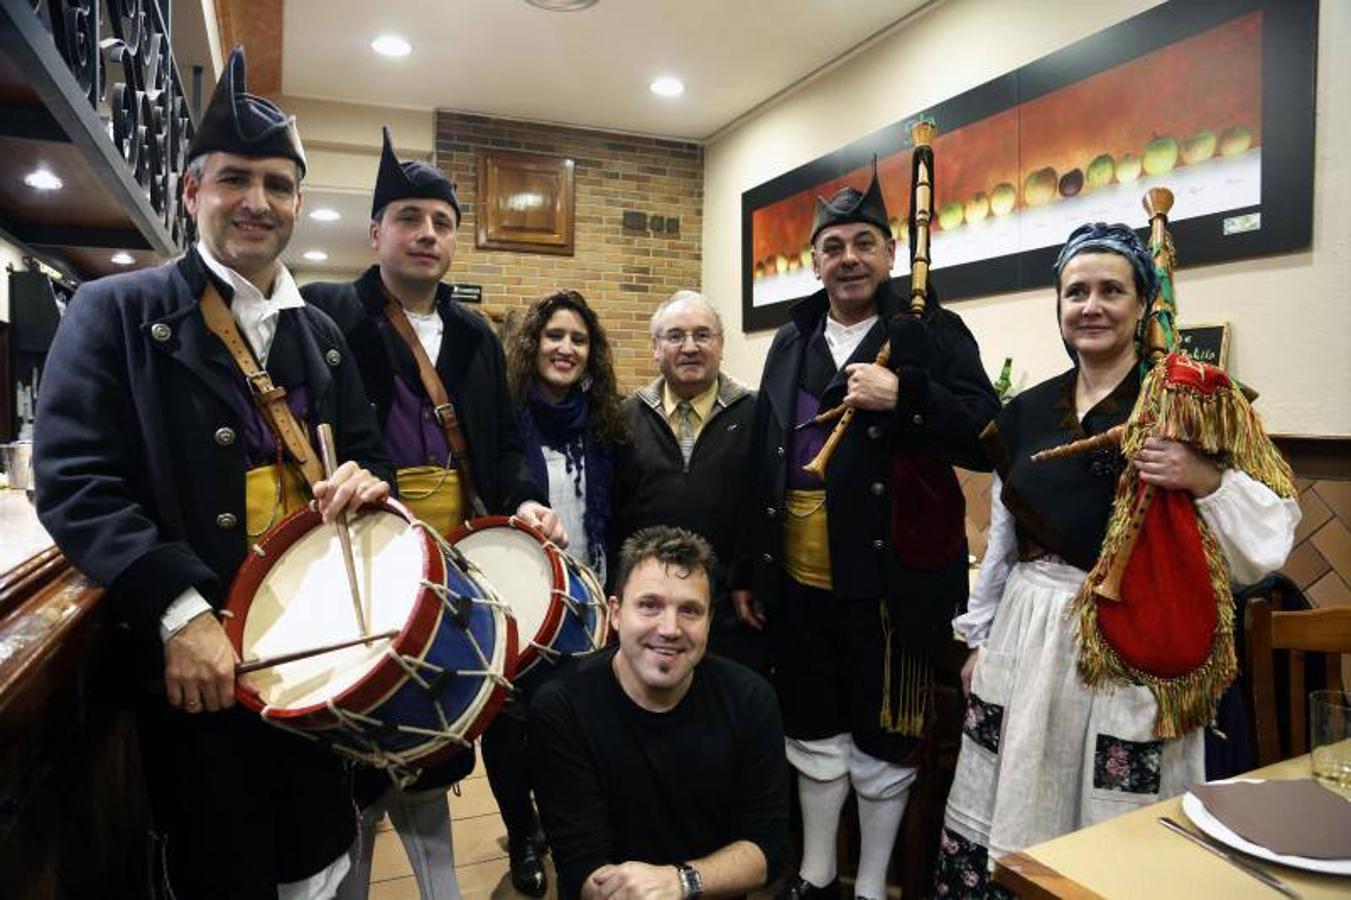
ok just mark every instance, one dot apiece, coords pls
pixel 1099 237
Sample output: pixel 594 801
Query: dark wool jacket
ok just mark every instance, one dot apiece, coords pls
pixel 471 367
pixel 653 486
pixel 140 477
pixel 894 508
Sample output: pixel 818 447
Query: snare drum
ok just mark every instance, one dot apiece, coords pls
pixel 398 703
pixel 558 603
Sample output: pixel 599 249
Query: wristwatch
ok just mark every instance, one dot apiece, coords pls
pixel 691 882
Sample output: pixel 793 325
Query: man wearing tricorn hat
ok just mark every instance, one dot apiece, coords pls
pixel 435 374
pixel 159 461
pixel 856 575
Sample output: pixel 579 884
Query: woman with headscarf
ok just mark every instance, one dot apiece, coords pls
pixel 561 374
pixel 1042 752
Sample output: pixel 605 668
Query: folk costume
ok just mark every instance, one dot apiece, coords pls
pixel 860 574
pixel 155 467
pixel 1057 736
pixel 417 438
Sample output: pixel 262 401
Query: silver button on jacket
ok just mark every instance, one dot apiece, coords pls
pixel 225 436
pixel 226 521
pixel 161 332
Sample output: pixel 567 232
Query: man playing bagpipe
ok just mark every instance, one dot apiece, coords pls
pixel 856 570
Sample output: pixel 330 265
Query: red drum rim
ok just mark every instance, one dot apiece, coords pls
pixel 527 652
pixel 412 640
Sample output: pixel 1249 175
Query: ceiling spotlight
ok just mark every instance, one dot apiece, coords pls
pixel 391 45
pixel 122 258
pixel 43 180
pixel 667 86
pixel 315 255
pixel 562 5
pixel 325 214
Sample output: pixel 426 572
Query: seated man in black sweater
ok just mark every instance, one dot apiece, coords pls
pixel 660 772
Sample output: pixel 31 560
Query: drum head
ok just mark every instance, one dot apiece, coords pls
pixel 524 572
pixel 304 601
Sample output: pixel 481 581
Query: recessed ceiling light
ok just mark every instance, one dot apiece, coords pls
pixel 667 86
pixel 562 5
pixel 325 215
pixel 42 180
pixel 122 258
pixel 315 255
pixel 391 45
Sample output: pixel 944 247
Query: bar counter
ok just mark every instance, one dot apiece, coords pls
pixel 73 819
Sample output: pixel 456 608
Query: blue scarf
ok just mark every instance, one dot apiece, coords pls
pixel 562 427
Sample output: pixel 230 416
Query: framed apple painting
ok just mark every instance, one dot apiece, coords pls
pixel 1213 99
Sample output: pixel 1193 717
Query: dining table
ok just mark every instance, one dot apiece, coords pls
pixel 1135 856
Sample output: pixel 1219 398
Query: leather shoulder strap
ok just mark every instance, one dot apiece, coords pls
pixel 444 409
pixel 270 399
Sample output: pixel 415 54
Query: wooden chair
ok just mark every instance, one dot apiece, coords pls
pixel 1325 631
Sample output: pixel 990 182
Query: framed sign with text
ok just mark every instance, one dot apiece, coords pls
pixel 1207 343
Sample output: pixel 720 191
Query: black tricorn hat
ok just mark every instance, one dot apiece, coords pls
pixel 236 121
pixel 848 205
pixel 400 181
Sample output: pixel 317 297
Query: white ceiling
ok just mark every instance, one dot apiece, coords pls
pixel 590 68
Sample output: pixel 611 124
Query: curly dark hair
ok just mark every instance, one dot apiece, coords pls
pixel 606 420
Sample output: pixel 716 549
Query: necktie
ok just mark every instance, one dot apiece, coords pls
pixel 685 417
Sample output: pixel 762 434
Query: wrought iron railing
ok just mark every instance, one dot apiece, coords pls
pixel 119 55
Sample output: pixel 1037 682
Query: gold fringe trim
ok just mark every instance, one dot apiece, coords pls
pixel 906 716
pixel 1224 425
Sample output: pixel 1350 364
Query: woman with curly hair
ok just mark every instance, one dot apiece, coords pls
pixel 562 381
pixel 562 378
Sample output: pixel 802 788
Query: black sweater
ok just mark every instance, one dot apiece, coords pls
pixel 618 783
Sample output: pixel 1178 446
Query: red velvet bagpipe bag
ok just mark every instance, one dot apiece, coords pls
pixel 1157 608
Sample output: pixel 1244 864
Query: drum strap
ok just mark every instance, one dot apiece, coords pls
pixel 444 409
pixel 269 398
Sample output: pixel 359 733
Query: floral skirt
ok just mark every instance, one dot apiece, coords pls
pixel 1043 755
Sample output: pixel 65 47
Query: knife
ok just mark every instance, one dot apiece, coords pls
pixel 1269 880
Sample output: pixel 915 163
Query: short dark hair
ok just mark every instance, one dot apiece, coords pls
pixel 670 546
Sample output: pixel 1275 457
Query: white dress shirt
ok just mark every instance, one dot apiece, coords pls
pixel 843 340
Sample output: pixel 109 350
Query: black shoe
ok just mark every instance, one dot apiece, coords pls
pixel 799 888
pixel 527 869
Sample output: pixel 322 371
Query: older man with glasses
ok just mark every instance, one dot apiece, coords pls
pixel 691 437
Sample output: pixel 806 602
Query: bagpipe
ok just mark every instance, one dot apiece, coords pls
pixel 1157 608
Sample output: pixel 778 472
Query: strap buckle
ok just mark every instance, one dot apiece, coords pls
pixel 262 386
pixel 445 415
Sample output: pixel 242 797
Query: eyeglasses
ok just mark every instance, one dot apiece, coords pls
pixel 676 336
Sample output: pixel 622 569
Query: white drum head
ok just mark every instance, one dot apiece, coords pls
pixel 520 571
pixel 304 601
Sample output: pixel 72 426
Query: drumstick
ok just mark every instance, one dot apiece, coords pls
pixel 340 525
pixel 268 662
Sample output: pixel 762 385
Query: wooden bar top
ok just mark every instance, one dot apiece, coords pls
pixel 1134 856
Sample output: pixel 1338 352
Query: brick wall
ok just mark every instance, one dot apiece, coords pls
pixel 623 274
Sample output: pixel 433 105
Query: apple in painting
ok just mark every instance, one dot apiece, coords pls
pixel 1128 168
pixel 1040 187
pixel 1160 155
pixel 1100 171
pixel 759 271
pixel 950 216
pixel 1071 183
pixel 1199 147
pixel 806 256
pixel 1235 140
pixel 780 263
pixel 1002 198
pixel 977 208
pixel 896 227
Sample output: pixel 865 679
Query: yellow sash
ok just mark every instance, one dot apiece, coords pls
pixel 269 497
pixel 433 494
pixel 806 543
